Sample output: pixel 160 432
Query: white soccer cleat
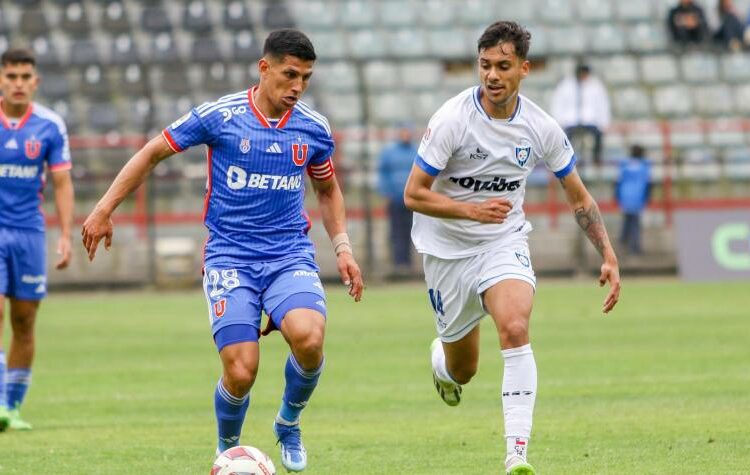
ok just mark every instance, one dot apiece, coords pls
pixel 517 465
pixel 449 391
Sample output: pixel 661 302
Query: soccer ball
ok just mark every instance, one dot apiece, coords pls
pixel 243 460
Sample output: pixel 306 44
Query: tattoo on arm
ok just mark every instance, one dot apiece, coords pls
pixel 590 220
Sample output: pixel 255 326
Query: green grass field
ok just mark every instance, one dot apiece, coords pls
pixel 123 384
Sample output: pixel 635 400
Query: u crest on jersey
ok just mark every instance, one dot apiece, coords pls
pixel 299 158
pixel 32 147
pixel 245 145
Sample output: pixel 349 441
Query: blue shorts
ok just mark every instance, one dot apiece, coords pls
pixel 237 295
pixel 23 264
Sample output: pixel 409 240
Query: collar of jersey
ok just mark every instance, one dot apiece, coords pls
pixel 478 104
pixel 6 123
pixel 262 118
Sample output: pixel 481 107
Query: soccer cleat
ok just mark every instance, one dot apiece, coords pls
pixel 16 423
pixel 293 453
pixel 4 418
pixel 449 391
pixel 516 465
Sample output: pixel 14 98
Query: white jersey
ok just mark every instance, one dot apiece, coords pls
pixel 474 158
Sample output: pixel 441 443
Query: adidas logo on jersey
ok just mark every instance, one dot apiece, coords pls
pixel 11 144
pixel 274 148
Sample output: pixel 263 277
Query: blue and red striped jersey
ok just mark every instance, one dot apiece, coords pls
pixel 254 205
pixel 26 145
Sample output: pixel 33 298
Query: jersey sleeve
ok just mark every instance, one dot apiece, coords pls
pixel 58 155
pixel 559 156
pixel 194 128
pixel 438 142
pixel 320 166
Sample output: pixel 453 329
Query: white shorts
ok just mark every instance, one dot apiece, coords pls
pixel 455 286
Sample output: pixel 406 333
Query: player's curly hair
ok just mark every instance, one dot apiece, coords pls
pixel 18 56
pixel 289 41
pixel 506 32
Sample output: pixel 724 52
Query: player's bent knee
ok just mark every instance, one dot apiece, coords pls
pixel 515 333
pixel 239 376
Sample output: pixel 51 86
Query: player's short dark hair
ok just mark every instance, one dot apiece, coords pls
pixel 289 41
pixel 18 56
pixel 506 32
pixel 637 151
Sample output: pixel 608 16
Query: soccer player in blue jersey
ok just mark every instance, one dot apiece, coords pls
pixel 258 256
pixel 33 140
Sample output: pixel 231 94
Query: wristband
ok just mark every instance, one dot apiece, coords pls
pixel 341 244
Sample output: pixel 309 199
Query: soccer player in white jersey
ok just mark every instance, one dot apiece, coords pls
pixel 258 257
pixel 466 188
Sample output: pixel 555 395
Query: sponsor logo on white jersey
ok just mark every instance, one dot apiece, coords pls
pixel 274 148
pixel 18 171
pixel 237 178
pixel 478 154
pixel 11 144
pixel 229 112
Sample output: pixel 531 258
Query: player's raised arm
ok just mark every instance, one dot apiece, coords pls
pixel 331 202
pixel 98 224
pixel 419 197
pixel 590 220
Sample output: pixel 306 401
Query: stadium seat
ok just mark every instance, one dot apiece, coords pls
pixel 606 38
pixel 617 70
pixel 74 19
pixel 237 16
pixel 83 51
pixel 540 40
pixel 437 13
pixel 421 75
pixel 389 108
pixel 634 10
pixel 33 23
pixel 196 16
pixel 726 132
pixel 103 117
pixel 397 14
pixel 631 102
pixel 659 69
pixel 713 100
pixel 687 133
pixel 55 85
pixel 95 83
pixel 315 14
pixel 737 154
pixel 69 114
pixel 566 40
pixel 366 44
pixel 216 79
pixel 132 80
pixel 449 43
pixel 381 76
pixel 245 47
pixel 114 17
pixel 205 49
pixel 275 15
pixel 646 37
pixel 555 12
pixel 46 52
pixel 138 115
pixel 164 49
pixel 355 14
pixel 124 50
pixel 522 11
pixel 171 80
pixel 742 95
pixel 407 43
pixel 340 76
pixel 736 68
pixel 424 105
pixel 595 11
pixel 474 13
pixel 4 30
pixel 673 101
pixel 700 67
pixel 342 109
pixel 329 45
pixel 27 3
pixel 154 19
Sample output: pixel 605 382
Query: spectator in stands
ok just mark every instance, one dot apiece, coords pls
pixel 730 33
pixel 632 192
pixel 393 170
pixel 687 23
pixel 581 106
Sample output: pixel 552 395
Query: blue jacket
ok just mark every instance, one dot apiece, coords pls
pixel 394 168
pixel 633 185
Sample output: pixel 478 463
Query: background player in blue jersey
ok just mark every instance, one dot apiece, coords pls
pixel 31 137
pixel 258 256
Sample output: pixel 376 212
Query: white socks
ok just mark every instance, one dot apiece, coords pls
pixel 438 364
pixel 518 395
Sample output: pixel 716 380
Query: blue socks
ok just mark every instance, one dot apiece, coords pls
pixel 300 385
pixel 230 414
pixel 3 401
pixel 17 382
